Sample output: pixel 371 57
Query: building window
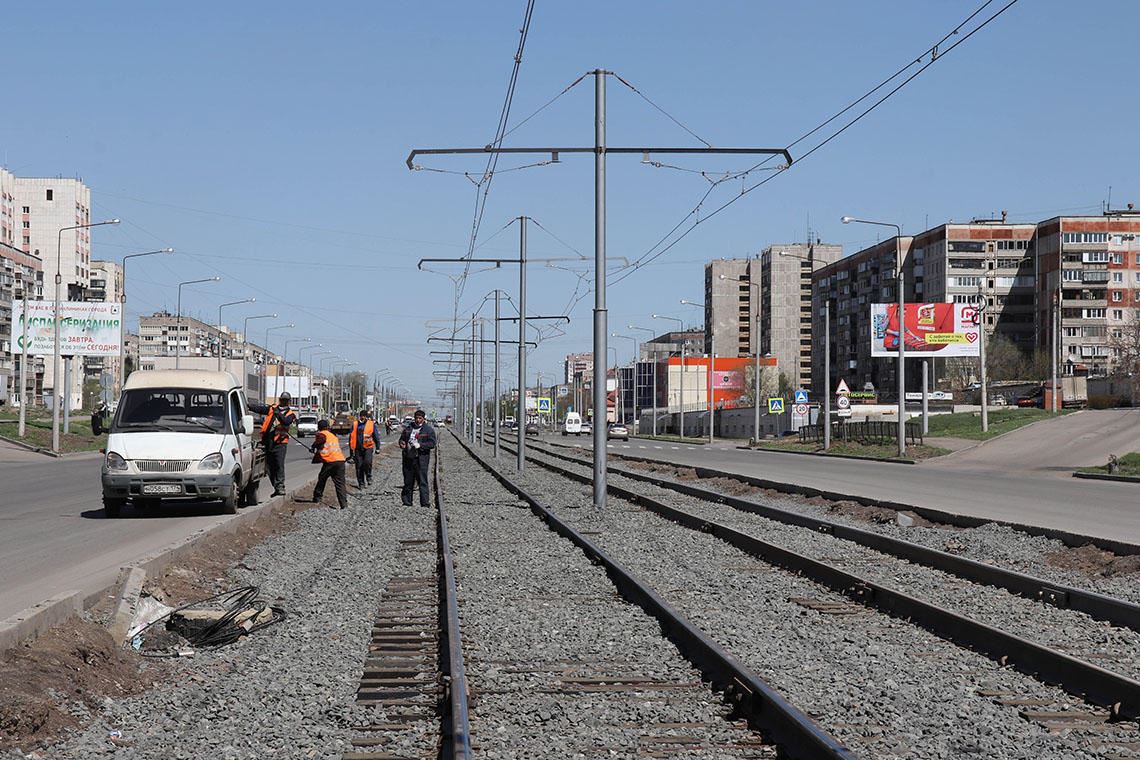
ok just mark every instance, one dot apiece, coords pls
pixel 1085 237
pixel 1119 276
pixel 1118 258
pixel 1118 314
pixel 49 194
pixel 1117 296
pixel 1095 257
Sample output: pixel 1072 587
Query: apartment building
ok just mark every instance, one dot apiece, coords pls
pixel 732 306
pixel 8 220
pixel 44 206
pixel 1092 266
pixel 164 334
pixel 578 364
pixel 20 274
pixel 786 324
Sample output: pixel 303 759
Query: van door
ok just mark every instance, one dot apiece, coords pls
pixel 244 442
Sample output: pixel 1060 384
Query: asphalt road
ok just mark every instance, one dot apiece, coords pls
pixel 54 537
pixel 1017 478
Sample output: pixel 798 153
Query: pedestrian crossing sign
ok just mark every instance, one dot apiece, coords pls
pixel 801 396
pixel 775 406
pixel 544 405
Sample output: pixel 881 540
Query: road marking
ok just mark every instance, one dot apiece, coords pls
pixel 641 447
pixel 674 447
pixel 658 447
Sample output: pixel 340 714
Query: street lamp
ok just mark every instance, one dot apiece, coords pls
pixel 265 365
pixel 636 419
pixel 902 323
pixel 220 307
pixel 285 364
pixel 681 393
pixel 245 332
pixel 309 390
pixel 756 338
pixel 313 363
pixel 712 367
pixel 178 322
pixel 652 333
pixel 58 354
pixel 123 312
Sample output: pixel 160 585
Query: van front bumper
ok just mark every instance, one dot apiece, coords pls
pixel 166 485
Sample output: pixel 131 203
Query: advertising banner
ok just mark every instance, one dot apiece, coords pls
pixel 938 329
pixel 87 328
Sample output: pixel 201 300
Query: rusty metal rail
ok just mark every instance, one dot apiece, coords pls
pixel 1121 695
pixel 765 709
pixel 457 732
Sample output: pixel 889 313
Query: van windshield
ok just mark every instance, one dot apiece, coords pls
pixel 171 409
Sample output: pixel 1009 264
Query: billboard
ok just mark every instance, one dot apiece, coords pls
pixel 932 329
pixel 87 328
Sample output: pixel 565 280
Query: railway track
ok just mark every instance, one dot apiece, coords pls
pixel 565 661
pixel 414 678
pixel 1111 699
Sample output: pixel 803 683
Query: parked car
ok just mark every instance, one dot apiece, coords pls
pixel 619 431
pixel 572 425
pixel 587 428
pixel 1035 398
pixel 306 425
pixel 531 428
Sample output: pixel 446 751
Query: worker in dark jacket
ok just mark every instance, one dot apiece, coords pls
pixel 416 442
pixel 362 443
pixel 279 418
pixel 327 453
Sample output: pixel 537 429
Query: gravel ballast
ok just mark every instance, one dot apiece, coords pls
pixel 542 627
pixel 1112 647
pixel 287 691
pixel 886 688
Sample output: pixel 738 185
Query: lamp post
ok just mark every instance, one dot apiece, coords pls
pixel 178 321
pixel 309 389
pixel 826 357
pixel 756 370
pixel 245 339
pixel 220 307
pixel 285 364
pixel 617 388
pixel 712 368
pixel 902 323
pixel 265 367
pixel 58 353
pixel 123 312
pixel 681 391
pixel 636 420
pixel 654 360
pixel 331 357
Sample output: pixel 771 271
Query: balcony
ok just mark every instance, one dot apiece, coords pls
pixel 1083 303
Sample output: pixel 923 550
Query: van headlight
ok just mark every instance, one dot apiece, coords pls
pixel 116 462
pixel 211 462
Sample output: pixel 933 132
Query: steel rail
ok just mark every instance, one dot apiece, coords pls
pixel 766 710
pixel 456 727
pixel 1099 606
pixel 1121 695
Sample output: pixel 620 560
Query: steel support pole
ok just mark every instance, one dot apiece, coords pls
pixel 68 362
pixel 520 418
pixel 827 373
pixel 23 428
pixel 655 393
pixel 1055 328
pixel 471 387
pixel 925 397
pixel 756 388
pixel 682 387
pixel 902 346
pixel 482 416
pixel 982 362
pixel 712 370
pixel 496 389
pixel 601 327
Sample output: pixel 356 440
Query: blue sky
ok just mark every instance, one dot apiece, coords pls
pixel 266 141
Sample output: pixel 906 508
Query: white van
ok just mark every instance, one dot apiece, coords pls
pixel 572 424
pixel 182 434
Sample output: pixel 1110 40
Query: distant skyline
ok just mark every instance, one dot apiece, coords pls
pixel 266 143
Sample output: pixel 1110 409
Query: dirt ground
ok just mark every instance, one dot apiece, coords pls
pixel 1094 561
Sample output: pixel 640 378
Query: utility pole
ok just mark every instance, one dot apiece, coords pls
pixel 520 417
pixel 496 385
pixel 600 151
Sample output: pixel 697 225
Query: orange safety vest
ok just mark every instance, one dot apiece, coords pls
pixel 265 423
pixel 368 442
pixel 330 450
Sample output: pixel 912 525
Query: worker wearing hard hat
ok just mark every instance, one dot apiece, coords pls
pixel 279 418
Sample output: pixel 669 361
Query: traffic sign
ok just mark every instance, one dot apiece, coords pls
pixel 801 409
pixel 843 413
pixel 775 406
pixel 544 405
pixel 801 396
pixel 842 389
pixel 843 402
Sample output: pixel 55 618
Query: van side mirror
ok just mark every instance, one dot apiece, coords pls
pixel 247 424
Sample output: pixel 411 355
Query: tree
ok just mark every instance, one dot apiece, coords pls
pixel 1004 360
pixel 1124 343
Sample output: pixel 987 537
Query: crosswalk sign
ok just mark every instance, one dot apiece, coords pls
pixel 544 405
pixel 801 396
pixel 775 406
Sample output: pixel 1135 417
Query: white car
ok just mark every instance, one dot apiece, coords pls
pixel 572 425
pixel 306 425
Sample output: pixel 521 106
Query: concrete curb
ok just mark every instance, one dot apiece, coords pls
pixel 1106 476
pixel 33 449
pixel 30 623
pixel 828 456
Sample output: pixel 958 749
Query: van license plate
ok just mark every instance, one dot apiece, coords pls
pixel 162 488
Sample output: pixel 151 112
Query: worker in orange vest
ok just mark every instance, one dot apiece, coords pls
pixel 327 453
pixel 279 418
pixel 362 443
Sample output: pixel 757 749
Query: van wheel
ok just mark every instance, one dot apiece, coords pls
pixel 112 507
pixel 230 500
pixel 249 494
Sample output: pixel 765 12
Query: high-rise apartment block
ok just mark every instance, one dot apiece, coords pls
pixel 21 276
